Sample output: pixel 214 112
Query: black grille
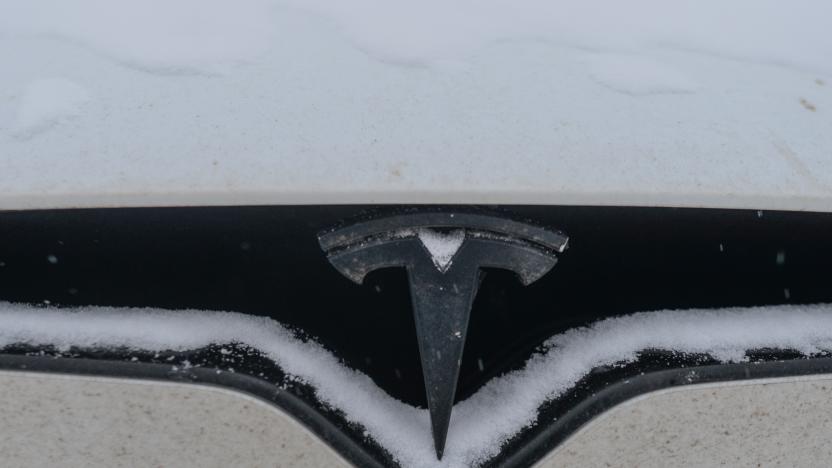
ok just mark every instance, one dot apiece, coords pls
pixel 267 261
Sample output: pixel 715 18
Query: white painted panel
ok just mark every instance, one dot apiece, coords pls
pixel 774 422
pixel 77 421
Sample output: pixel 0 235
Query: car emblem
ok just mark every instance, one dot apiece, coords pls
pixel 443 253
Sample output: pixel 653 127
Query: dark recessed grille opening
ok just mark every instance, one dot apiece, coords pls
pixel 267 261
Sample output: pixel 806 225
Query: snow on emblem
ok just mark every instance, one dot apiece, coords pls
pixel 443 253
pixel 441 247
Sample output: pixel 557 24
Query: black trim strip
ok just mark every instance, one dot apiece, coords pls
pixel 266 261
pixel 528 451
pixel 553 433
pixel 296 407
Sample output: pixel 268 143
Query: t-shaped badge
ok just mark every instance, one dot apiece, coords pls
pixel 444 254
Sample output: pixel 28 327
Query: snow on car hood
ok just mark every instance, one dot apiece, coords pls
pixel 479 424
pixel 194 102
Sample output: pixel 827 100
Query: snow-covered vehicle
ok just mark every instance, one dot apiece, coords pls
pixel 427 233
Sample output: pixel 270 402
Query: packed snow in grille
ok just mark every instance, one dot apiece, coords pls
pixel 481 423
pixel 604 102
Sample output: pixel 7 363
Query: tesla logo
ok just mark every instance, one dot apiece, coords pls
pixel 443 254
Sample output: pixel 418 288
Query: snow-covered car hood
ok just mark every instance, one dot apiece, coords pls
pixel 194 102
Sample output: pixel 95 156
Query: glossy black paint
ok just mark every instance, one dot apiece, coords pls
pixel 267 261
